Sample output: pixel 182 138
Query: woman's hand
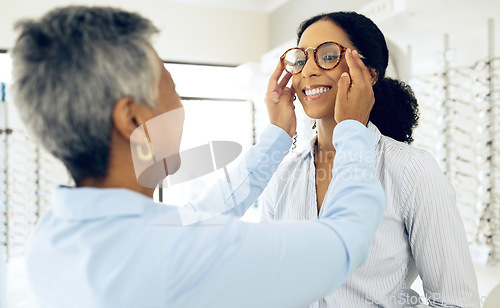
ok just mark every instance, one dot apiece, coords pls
pixel 355 96
pixel 279 101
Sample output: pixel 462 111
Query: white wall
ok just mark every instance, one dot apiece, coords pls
pixel 424 23
pixel 284 20
pixel 189 33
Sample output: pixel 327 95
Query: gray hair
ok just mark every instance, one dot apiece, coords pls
pixel 70 68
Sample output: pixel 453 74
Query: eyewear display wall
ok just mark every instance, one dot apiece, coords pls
pixel 458 124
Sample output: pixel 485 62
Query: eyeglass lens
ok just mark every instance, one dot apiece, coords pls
pixel 328 56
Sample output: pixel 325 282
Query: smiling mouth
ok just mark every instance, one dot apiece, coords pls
pixel 316 91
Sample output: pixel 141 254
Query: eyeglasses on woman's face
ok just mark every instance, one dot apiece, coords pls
pixel 327 56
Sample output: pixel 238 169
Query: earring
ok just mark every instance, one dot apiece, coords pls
pixel 295 97
pixel 314 125
pixel 150 151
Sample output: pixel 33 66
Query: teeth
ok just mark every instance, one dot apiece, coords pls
pixel 316 91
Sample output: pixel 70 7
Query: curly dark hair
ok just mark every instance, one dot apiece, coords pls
pixel 395 112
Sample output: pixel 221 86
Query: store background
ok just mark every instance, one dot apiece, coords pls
pixel 446 49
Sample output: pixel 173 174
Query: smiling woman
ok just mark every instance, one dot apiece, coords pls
pixel 422 232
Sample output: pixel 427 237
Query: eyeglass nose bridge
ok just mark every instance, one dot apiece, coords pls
pixel 313 57
pixel 306 51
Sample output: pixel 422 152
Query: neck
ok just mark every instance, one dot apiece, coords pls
pixel 325 134
pixel 114 180
pixel 120 173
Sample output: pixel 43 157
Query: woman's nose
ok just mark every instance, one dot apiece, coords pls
pixel 310 67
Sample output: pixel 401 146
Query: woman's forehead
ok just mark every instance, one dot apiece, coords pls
pixel 322 31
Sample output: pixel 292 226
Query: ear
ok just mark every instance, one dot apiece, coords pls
pixel 128 115
pixel 374 74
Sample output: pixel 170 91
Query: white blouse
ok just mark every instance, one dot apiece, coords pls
pixel 421 233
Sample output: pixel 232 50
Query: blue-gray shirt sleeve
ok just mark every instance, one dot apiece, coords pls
pixel 291 264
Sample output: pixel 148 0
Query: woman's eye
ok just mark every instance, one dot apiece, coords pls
pixel 299 63
pixel 329 58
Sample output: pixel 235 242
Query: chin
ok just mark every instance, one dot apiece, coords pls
pixel 318 112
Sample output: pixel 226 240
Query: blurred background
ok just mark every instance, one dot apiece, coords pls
pixel 221 53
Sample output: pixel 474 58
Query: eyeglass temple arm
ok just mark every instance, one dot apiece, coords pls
pixel 360 55
pixel 286 62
